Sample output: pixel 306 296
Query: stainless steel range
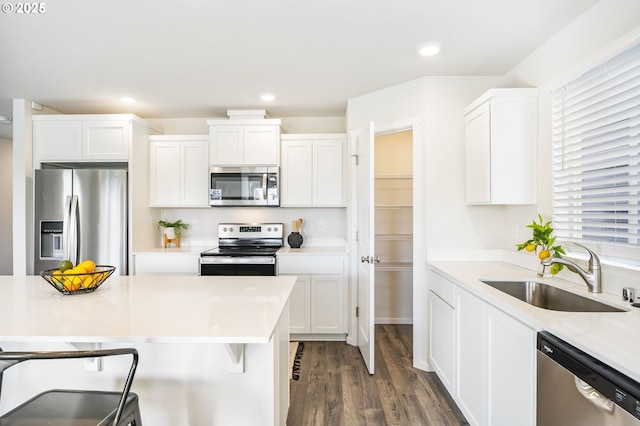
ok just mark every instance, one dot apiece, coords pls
pixel 244 249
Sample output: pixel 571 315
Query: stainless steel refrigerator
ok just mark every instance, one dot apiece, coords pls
pixel 81 214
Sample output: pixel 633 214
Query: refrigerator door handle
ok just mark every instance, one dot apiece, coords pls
pixel 74 227
pixel 65 227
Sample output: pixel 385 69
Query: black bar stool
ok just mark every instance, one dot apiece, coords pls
pixel 74 407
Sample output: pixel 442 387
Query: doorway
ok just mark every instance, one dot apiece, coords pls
pixel 393 201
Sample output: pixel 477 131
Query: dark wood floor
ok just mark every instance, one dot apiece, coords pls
pixel 335 388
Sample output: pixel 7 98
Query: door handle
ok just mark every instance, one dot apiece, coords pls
pixel 365 259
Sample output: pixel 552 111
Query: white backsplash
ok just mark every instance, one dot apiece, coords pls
pixel 321 226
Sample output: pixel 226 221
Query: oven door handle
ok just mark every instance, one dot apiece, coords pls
pixel 237 260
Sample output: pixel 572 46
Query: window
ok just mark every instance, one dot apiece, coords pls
pixel 596 156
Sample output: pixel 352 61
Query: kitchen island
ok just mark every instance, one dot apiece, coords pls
pixel 213 350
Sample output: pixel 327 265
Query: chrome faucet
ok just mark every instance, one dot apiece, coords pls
pixel 592 277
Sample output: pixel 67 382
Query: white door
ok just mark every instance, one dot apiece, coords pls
pixel 366 253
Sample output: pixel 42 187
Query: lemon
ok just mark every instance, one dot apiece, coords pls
pixel 71 281
pixel 87 282
pixel 88 265
pixel 530 247
pixel 544 254
pixel 65 264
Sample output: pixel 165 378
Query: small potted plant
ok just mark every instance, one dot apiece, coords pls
pixel 171 230
pixel 543 244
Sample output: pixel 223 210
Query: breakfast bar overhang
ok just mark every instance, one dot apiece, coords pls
pixel 213 350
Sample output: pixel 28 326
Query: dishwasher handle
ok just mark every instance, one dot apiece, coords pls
pixel 593 396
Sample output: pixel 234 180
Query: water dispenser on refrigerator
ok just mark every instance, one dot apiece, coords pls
pixel 51 239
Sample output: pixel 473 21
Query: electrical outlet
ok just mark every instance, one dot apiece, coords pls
pixel 194 225
pixel 321 225
pixel 514 232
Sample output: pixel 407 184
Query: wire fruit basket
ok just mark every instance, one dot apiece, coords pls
pixel 70 283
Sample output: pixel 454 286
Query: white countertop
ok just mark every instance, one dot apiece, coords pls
pixel 613 338
pixel 313 250
pixel 145 309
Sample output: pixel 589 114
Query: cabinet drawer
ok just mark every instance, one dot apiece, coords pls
pixel 163 264
pixel 442 287
pixel 301 264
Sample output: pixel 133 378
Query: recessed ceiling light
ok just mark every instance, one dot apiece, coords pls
pixel 268 97
pixel 430 49
pixel 127 100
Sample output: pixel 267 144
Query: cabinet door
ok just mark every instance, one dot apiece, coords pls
pixel 194 173
pixel 57 140
pixel 327 304
pixel 511 358
pixel 441 339
pixel 296 174
pixel 164 174
pixel 261 145
pixel 226 145
pixel 107 140
pixel 478 155
pixel 300 305
pixel 328 173
pixel 470 358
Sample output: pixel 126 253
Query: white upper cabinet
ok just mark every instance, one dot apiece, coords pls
pixel 244 142
pixel 501 140
pixel 313 170
pixel 106 140
pixel 178 171
pixel 82 137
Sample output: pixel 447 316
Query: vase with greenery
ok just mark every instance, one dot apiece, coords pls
pixel 171 230
pixel 543 244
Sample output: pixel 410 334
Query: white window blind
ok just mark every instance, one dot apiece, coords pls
pixel 596 156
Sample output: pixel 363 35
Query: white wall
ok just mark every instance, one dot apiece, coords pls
pixel 438 102
pixel 6 207
pixel 603 30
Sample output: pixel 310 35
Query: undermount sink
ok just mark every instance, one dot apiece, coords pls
pixel 550 297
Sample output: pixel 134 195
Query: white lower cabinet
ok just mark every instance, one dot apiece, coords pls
pixel 470 357
pixel 441 339
pixel 511 378
pixel 300 305
pixel 484 357
pixel 327 304
pixel 317 303
pixel 495 361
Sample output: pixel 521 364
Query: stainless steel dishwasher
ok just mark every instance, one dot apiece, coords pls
pixel 576 389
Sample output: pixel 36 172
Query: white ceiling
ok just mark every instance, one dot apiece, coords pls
pixel 198 58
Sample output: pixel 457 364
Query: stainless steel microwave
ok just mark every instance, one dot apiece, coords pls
pixel 244 186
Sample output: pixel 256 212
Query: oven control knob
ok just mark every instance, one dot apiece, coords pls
pixel 275 229
pixel 268 229
pixel 224 229
pixel 231 229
